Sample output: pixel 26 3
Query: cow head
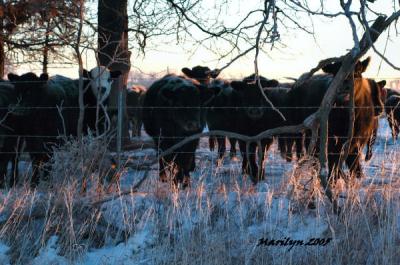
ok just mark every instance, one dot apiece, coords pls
pixel 184 99
pixel 221 92
pixel 30 90
pixel 359 68
pixel 251 98
pixel 203 74
pixel 101 80
pixel 265 82
pixel 378 94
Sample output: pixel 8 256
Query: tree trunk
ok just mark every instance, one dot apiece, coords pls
pixel 2 51
pixel 45 62
pixel 113 50
pixel 2 54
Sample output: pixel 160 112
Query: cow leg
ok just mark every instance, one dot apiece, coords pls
pixel 252 163
pixel 306 139
pixel 299 140
pixel 283 146
pixel 36 174
pixel 221 147
pixel 211 142
pixel 354 165
pixel 393 124
pixel 14 170
pixel 182 177
pixel 290 142
pixel 185 162
pixel 133 127
pixel 243 151
pixel 140 121
pixel 396 128
pixel 7 155
pixel 15 160
pixel 163 167
pixel 232 151
pixel 335 170
pixel 265 145
pixel 370 144
pixel 3 170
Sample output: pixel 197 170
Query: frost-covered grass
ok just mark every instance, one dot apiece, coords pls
pixel 219 220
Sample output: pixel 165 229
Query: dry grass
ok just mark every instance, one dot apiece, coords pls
pixel 215 222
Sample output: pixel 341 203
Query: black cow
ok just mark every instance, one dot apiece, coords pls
pixel 8 138
pixel 255 115
pixel 35 117
pixel 49 108
pixel 134 103
pixel 221 115
pixel 97 87
pixel 368 106
pixel 172 111
pixel 392 109
pixel 286 142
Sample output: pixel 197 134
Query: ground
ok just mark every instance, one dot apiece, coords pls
pixel 222 218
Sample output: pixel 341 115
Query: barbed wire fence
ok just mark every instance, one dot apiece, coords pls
pixel 146 81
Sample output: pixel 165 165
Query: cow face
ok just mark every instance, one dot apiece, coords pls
pixel 222 92
pixel 203 74
pixel 101 80
pixel 30 89
pixel 359 68
pixel 252 100
pixel 183 99
pixel 378 94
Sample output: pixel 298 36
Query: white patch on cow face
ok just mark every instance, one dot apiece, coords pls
pixel 100 83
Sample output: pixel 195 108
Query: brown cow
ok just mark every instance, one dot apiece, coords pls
pixel 368 105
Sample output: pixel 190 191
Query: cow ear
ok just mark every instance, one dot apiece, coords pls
pixel 363 65
pixel 44 77
pixel 381 84
pixel 187 72
pixel 115 74
pixel 238 85
pixel 86 74
pixel 332 68
pixel 13 77
pixel 381 87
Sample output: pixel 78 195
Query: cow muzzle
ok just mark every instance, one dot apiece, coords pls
pixel 255 113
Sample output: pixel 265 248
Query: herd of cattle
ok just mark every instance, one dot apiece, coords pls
pixel 36 110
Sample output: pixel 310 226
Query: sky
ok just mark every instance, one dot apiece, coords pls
pixel 332 38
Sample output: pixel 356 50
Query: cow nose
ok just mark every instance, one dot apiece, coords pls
pixel 103 90
pixel 255 113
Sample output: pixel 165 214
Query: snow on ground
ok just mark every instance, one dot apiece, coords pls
pixel 221 212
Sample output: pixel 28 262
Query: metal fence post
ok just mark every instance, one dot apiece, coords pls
pixel 120 120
